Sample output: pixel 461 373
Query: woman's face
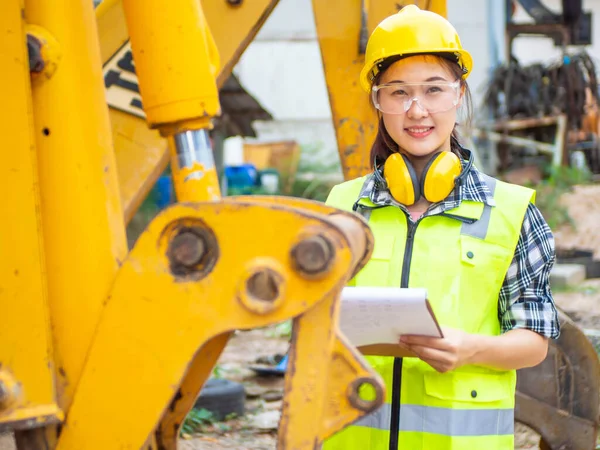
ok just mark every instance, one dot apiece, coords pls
pixel 417 131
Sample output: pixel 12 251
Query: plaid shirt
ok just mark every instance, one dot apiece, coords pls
pixel 525 299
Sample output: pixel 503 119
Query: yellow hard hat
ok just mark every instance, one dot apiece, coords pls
pixel 412 31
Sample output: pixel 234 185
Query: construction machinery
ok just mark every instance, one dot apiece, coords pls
pixel 102 347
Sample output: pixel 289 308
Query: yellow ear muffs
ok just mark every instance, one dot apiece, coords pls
pixel 439 175
pixel 401 179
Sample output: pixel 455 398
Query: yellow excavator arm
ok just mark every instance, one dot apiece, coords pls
pixel 342 28
pixel 105 348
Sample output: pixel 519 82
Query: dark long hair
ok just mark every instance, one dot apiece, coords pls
pixel 384 145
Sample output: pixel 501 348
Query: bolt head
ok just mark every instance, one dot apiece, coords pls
pixel 313 255
pixel 264 285
pixel 187 249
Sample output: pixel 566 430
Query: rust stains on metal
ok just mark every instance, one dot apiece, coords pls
pixel 188 248
pixel 193 251
pixel 313 255
pixel 264 285
pixel 360 403
pixel 4 394
pixel 34 48
pixel 351 150
pixel 178 396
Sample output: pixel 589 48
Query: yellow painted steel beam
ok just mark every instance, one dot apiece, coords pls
pixel 340 26
pixel 84 235
pixel 27 389
pixel 141 153
pixel 195 275
pixel 112 28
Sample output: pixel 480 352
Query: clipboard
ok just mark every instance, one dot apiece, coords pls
pixel 373 318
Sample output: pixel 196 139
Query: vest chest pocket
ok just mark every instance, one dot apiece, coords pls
pixel 480 255
pixel 377 270
pixel 483 270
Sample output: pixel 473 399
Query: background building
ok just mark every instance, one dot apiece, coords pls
pixel 282 67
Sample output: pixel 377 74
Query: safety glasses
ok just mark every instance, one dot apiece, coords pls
pixel 433 97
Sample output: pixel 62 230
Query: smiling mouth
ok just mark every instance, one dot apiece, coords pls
pixel 418 130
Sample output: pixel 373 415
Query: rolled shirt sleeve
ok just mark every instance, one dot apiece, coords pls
pixel 525 299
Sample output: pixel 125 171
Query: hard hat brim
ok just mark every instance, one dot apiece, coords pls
pixel 463 59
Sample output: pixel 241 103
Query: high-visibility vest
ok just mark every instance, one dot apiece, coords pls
pixel 461 257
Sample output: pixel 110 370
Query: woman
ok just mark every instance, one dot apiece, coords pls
pixel 479 246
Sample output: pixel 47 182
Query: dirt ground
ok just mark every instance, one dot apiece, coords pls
pixel 257 429
pixel 584 208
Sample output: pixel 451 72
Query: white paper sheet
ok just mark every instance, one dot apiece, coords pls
pixel 373 315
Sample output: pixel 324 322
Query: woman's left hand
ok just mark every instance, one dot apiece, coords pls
pixel 455 349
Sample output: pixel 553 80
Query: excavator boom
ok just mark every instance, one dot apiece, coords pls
pixel 104 347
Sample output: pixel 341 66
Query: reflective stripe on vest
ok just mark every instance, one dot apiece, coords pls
pixel 479 228
pixel 446 421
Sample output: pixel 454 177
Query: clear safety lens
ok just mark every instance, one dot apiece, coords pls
pixel 434 97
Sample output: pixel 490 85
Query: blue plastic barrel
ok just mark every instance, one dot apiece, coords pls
pixel 241 179
pixel 163 191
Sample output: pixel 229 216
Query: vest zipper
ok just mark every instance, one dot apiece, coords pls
pixel 397 371
pixel 410 239
pixel 395 416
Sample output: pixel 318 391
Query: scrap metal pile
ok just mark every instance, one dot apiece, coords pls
pixel 568 86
